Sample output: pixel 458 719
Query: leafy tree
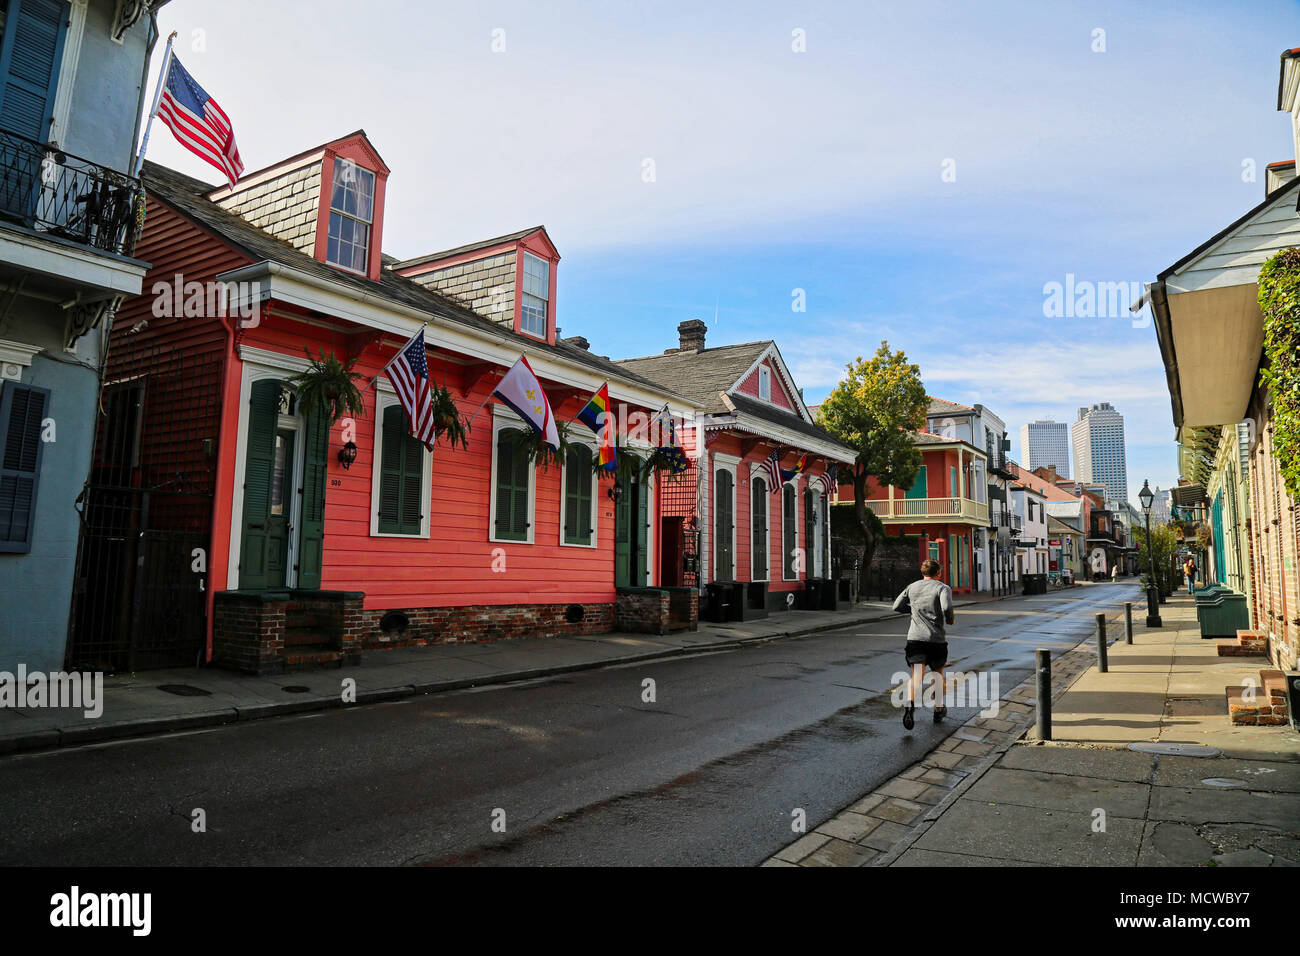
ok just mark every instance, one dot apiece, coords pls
pixel 1279 300
pixel 875 409
pixel 1166 541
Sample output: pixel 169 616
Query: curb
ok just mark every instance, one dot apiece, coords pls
pixel 81 735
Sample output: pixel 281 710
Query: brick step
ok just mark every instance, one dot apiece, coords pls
pixel 1268 705
pixel 1247 644
pixel 300 618
pixel 297 637
pixel 304 659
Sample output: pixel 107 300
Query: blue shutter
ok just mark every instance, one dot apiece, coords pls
pixel 22 409
pixel 30 53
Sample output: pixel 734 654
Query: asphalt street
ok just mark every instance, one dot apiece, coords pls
pixel 578 769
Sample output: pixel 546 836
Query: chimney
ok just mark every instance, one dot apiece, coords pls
pixel 691 335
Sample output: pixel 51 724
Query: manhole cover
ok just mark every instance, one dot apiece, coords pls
pixel 1225 782
pixel 1175 749
pixel 296 689
pixel 184 690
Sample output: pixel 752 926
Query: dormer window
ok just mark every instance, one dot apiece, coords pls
pixel 534 296
pixel 765 383
pixel 352 210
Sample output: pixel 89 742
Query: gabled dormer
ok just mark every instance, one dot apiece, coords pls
pixel 769 380
pixel 509 279
pixel 327 202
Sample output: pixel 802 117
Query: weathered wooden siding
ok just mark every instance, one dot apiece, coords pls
pixel 780 397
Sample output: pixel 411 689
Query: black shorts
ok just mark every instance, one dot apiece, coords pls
pixel 933 654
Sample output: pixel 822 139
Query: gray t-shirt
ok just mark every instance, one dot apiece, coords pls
pixel 930 602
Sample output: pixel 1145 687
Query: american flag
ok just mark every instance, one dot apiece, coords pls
pixel 197 122
pixel 772 468
pixel 409 373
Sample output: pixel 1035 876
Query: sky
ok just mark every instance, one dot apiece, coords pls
pixel 827 175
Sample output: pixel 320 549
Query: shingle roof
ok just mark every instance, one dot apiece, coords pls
pixel 469 247
pixel 941 406
pixel 188 196
pixel 779 416
pixel 700 376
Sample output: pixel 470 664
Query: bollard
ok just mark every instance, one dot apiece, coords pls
pixel 1128 622
pixel 1101 643
pixel 1043 671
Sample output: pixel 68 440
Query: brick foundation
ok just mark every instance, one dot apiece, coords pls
pixel 657 610
pixel 479 622
pixel 271 632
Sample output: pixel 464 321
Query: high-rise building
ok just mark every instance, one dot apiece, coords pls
pixel 1046 444
pixel 1098 437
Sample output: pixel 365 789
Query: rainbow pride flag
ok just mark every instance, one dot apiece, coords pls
pixel 596 416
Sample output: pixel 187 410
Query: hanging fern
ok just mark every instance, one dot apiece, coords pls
pixel 447 420
pixel 328 387
pixel 1279 300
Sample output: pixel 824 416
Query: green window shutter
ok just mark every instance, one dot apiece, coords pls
pixel 511 518
pixel 723 525
pixel 789 514
pixel 390 470
pixel 263 414
pixel 412 510
pixel 577 496
pixel 22 409
pixel 586 495
pixel 643 534
pixel 311 536
pixel 758 505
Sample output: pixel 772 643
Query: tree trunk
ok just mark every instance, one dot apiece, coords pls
pixel 868 535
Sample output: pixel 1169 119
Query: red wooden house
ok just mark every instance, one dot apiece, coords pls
pixel 300 556
pixel 760 546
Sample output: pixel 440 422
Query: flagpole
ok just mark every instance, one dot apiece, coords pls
pixel 157 98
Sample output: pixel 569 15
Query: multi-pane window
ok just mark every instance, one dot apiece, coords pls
pixel 536 294
pixel 352 210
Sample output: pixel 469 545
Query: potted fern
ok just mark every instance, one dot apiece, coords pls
pixel 328 387
pixel 530 444
pixel 447 420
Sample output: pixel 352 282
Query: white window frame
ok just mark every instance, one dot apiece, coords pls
pixel 384 398
pixel 564 492
pixel 546 300
pixel 765 383
pixel 501 420
pixel 756 475
pixel 729 463
pixel 793 483
pixel 369 223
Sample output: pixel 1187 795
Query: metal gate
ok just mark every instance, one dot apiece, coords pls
pixel 677 500
pixel 140 597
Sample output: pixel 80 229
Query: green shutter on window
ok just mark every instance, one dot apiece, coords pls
pixel 263 414
pixel 758 505
pixel 643 534
pixel 311 536
pixel 789 516
pixel 22 409
pixel 511 519
pixel 577 496
pixel 401 476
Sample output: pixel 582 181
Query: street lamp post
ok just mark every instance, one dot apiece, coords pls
pixel 1147 496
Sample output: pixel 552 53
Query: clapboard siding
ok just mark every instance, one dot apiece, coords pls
pixel 1236 259
pixel 780 397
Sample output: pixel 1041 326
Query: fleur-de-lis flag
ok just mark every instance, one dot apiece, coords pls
pixel 521 390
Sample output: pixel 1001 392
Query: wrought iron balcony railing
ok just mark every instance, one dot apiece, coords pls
pixel 925 509
pixel 1006 519
pixel 54 192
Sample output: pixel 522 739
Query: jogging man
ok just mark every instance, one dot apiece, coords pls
pixel 930 602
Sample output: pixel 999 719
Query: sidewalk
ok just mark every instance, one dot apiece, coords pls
pixel 993 795
pixel 164 701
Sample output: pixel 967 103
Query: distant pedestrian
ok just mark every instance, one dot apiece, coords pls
pixel 930 602
pixel 1189 572
pixel 1114 573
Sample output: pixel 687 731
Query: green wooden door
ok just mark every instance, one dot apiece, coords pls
pixel 723 526
pixel 641 535
pixel 918 487
pixel 259 465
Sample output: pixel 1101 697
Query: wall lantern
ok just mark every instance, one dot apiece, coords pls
pixel 347 455
pixel 615 491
